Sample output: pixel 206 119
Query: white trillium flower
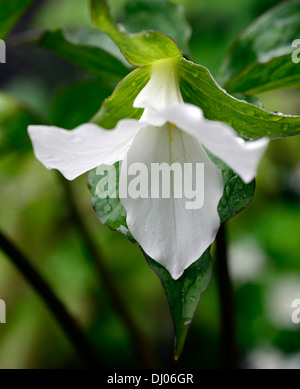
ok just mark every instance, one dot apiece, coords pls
pixel 168 131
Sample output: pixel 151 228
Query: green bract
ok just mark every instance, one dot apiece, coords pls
pixel 197 85
pixel 139 49
pixel 199 88
pixel 116 107
pixel 109 210
pixel 158 15
pixel 184 294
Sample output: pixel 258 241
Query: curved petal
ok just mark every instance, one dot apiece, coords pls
pixel 161 91
pixel 82 149
pixel 167 231
pixel 219 138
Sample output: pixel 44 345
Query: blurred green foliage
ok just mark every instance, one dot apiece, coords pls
pixel 38 87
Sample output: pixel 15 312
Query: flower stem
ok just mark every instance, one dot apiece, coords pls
pixel 69 325
pixel 229 349
pixel 142 348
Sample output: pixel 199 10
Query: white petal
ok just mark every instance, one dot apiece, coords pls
pixel 168 232
pixel 161 91
pixel 82 149
pixel 219 138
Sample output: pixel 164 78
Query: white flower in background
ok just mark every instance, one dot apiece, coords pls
pixel 247 260
pixel 279 295
pixel 168 131
pixel 266 356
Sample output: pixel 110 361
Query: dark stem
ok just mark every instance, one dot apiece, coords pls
pixel 144 352
pixel 229 349
pixel 69 325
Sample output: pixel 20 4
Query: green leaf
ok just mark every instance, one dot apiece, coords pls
pixel 236 196
pixel 14 119
pixel 77 48
pixel 110 210
pixel 116 107
pixel 158 15
pixel 139 49
pixel 199 88
pixel 260 60
pixel 10 13
pixel 184 294
pixel 249 99
pixel 82 98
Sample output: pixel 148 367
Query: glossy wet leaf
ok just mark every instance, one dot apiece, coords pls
pixel 81 50
pixel 139 49
pixel 116 107
pixel 184 294
pixel 244 113
pixel 110 210
pixel 158 15
pixel 10 13
pixel 260 60
pixel 249 99
pixel 199 88
pixel 236 196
